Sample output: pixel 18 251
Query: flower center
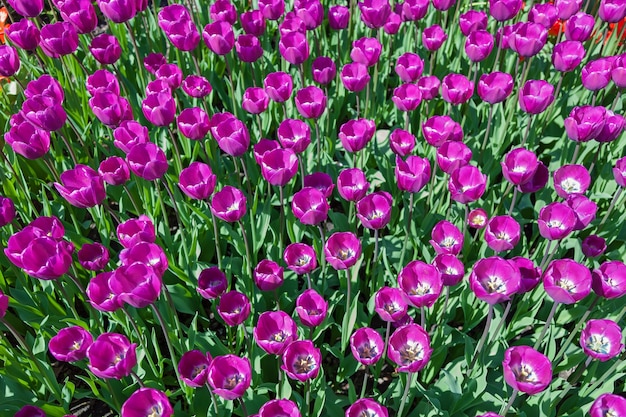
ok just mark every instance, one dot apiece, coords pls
pixel 368 413
pixel 599 344
pixel 279 337
pixel 519 168
pixel 376 214
pixel 155 411
pixel 118 358
pixel 197 370
pixel 571 186
pixel 304 364
pixel 421 289
pixel 448 242
pixel 525 373
pixel 610 413
pixel 303 260
pixel 554 223
pixel 391 308
pixel 232 207
pixel 344 254
pixel 495 284
pixel 76 345
pixel 232 381
pixel 566 284
pixel 411 352
pixel 503 236
pixel 478 220
pixel 366 351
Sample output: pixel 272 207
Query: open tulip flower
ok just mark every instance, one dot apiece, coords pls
pixel 526 370
pixel 567 281
pixel 602 339
pixel 301 360
pixel 409 348
pixel 229 376
pixel 274 331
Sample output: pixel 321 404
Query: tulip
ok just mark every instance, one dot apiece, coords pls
pixel 294 134
pixel 234 308
pixel 105 49
pixel 58 39
pixel 433 37
pixel 390 304
pixel 619 172
pixel 519 166
pixel 453 155
pixel 544 14
pixel 133 231
pixel 409 67
pixel 27 8
pixel 607 404
pixel 374 13
pixel 601 339
pixel 292 23
pixel 9 61
pixel 310 102
pixel 407 97
pixel 367 345
pixel 529 273
pixel 223 10
pixel 112 355
pixel 467 184
pixel 342 250
pixel 153 61
pixel 279 166
pixel 278 86
pixel 567 55
pixel 614 125
pixel 354 76
pixel 30 411
pixel 536 96
pixel 374 210
pixel 24 34
pixel 443 5
pixel 272 9
pixel 321 181
pixel 230 376
pixel 618 74
pixel 159 108
pixel 262 147
pixel 302 360
pixel 70 344
pixel 556 220
pixel 231 134
pixel 352 184
pixel 110 108
pixel 44 112
pixel 137 284
pixel 585 123
pixel 446 238
pixel 193 368
pixel 538 180
pixel 39 253
pixel 196 86
pixel 477 218
pixel 323 70
pixel 309 206
pixel 197 181
pixel 268 275
pixel 494 280
pixel 592 247
pixel 219 37
pixel 248 48
pixel 584 208
pixel 148 161
pixel 413 174
pixel 253 22
pixel 229 204
pixel 479 45
pixel 145 401
pixel 212 283
pixel 612 11
pixel 409 348
pixel 393 24
pixel 7 211
pixel 567 8
pixel 440 129
pixel 495 87
pixel 356 134
pixel 450 268
pixel 311 12
pixel 28 141
pixel 171 15
pixel 609 280
pixel 129 134
pixel 526 370
pixel 145 253
pixel 502 233
pixel 366 51
pixel 366 407
pixel 413 10
pixel 456 88
pixel 255 100
pixel 421 283
pixel 171 74
pixel 294 48
pixel 338 17
pixel 274 331
pixel 183 35
pixel 566 281
pixel 472 20
pixel 401 142
pixel 579 27
pixel 503 10
pixel 596 74
pixel 93 256
pixel 311 308
pixel 193 123
pixel 277 407
pixel 528 39
pixel 103 81
pixel 119 11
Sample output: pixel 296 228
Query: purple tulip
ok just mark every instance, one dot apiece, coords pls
pixel 105 49
pixel 354 76
pixel 231 134
pixel 268 275
pixel 24 34
pixel 137 284
pixel 223 10
pixel 409 348
pixel 618 74
pixel 567 281
pixel 323 70
pixel 601 339
pixel 171 74
pixel 119 11
pixel 367 346
pixel 248 48
pixel 148 254
pixel 614 125
pixel 528 39
pixel 477 218
pixel 592 247
pixel 272 9
pixel 502 233
pixel 276 407
pixel 172 14
pixel 443 5
pixel 390 304
pixel 103 81
pixel 9 61
pixel 196 86
pixel 70 344
pixel 472 20
pixel 450 268
pixel 255 100
pixel 414 10
pixel 279 166
pixel 366 51
pixel 479 45
pixel 311 308
pixel 183 34
pixel 393 24
pixel 229 204
pixel 28 141
pixel 456 88
pixel 467 184
pixel 503 10
pixel 93 256
pixel 58 39
pixel 294 47
pixel 536 96
pixel 619 172
pixel 7 211
pixel 571 180
pixel 82 187
pixel 494 280
pixel 159 108
pixel 262 147
pixel 407 97
pixel 342 250
pixel 310 102
pixel 193 368
pixel 495 87
pixel 145 401
pixel 374 210
pixel 234 308
pixel 519 166
pixel 440 129
pixel 44 112
pixel 278 86
pixel 609 280
pixel 366 407
pixel 596 74
pixel 253 22
pixel 544 14
pixel 30 411
pixel 302 360
pixel 374 13
pixel 538 180
pixel 219 37
pixel 294 134
pixel 274 331
pixel 608 404
pixel 612 11
pixel 352 184
pixel 193 123
pixel 409 67
pixel 197 181
pixel 585 123
pixel 230 376
pixel 321 181
pixel 413 174
pixel 129 134
pixel 291 23
pixel 446 238
pixel 529 273
pixel 584 208
pixel 110 108
pixel 401 142
pixel 526 370
pixel 338 17
pixel 567 55
pixel 134 231
pixel 27 8
pixel 300 258
pixel 309 206
pixel 100 294
pixel 153 61
pixel 212 283
pixel 148 161
pixel 579 27
pixel 433 37
pixel 421 283
pixel 567 8
pixel 556 220
pixel 356 134
pixel 112 355
pixel 311 12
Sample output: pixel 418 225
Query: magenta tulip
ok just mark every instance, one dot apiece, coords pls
pixel 421 283
pixel 112 355
pixel 229 204
pixel 601 339
pixel 526 370
pixel 495 87
pixel 212 283
pixel 274 331
pixel 311 308
pixel 234 308
pixel 409 348
pixel 536 96
pixel 354 76
pixel 456 88
pixel 302 360
pixel 230 376
pixel 310 102
pixel 502 233
pixel 567 281
pixel 356 134
pixel 494 280
pixel 93 256
pixel 608 404
pixel 467 184
pixel 70 344
pixel 446 238
pixel 609 280
pixel 148 161
pixel 342 250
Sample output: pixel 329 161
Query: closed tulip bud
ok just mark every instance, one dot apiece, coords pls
pixel 366 51
pixel 503 10
pixel 593 246
pixel 519 166
pixel 93 256
pixel 153 61
pixel 323 70
pixel 248 48
pixel 495 87
pixel 338 17
pixel 279 166
pixel 579 27
pixel 526 370
pixel 219 37
pixel 302 360
pixel 584 208
pixel 272 9
pixel 467 184
pixel 9 61
pixel 255 100
pixel 148 161
pixel 27 8
pixel 566 281
pixel 453 155
pixel 133 231
pixel 585 123
pixel 28 141
pixel 567 55
pixel 356 134
pixel 409 67
pixel 443 5
pixel 70 344
pixel 294 48
pixel 544 14
pixel 472 20
pixel 309 206
pixel 268 275
pixel 82 187
pixel 614 125
pixel 596 74
pixel 102 80
pixel 234 308
pixel 352 184
pixel 159 108
pixel 253 22
pixel 193 123
pixel 311 308
pixel 374 13
pixel 536 96
pixel 197 181
pixel 7 211
pixel 479 45
pixel 619 172
pixel 112 355
pixel 494 280
pixel 24 34
pixel 502 233
pixel 429 87
pixel 118 11
pixel 274 331
pixel 110 108
pixel 354 76
pixel 58 39
pixel 413 174
pixel 129 134
pixel 105 49
pixel 456 88
pixel 291 23
pixel 413 10
pixel 401 142
pixel 212 283
pixel 310 102
pixel 567 8
pixel 612 11
pixel 231 134
pixel 278 86
pixel 407 97
pixel 433 37
pixel 609 280
pixel 393 24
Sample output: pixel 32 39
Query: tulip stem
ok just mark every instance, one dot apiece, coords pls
pixel 300 162
pixel 576 151
pixel 387 332
pixel 68 146
pixel 409 379
pixel 176 149
pixel 323 237
pixel 139 381
pixel 67 298
pixel 364 386
pixel 169 344
pixel 213 399
pixel 132 199
pixel 375 245
pixel 319 144
pixel 18 180
pixel 143 343
pixel 574 331
pixel 248 257
pixel 171 196
pixel 545 255
pixel 513 201
pixel 481 343
pixel 610 209
pixel 231 84
pixel 546 326
pixel 423 317
pixel 282 219
pixel 602 379
pixel 496 62
pixel 348 289
pixel 137 55
pixel 508 405
pixel 216 236
pixel 617 99
pixel 243 407
pixel 503 319
pixel 530 121
pixel 408 231
pixel 358 106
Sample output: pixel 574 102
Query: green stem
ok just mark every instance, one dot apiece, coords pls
pixel 481 343
pixel 364 386
pixel 169 345
pixel 574 332
pixel 409 379
pixel 216 235
pixel 546 326
pixel 505 409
